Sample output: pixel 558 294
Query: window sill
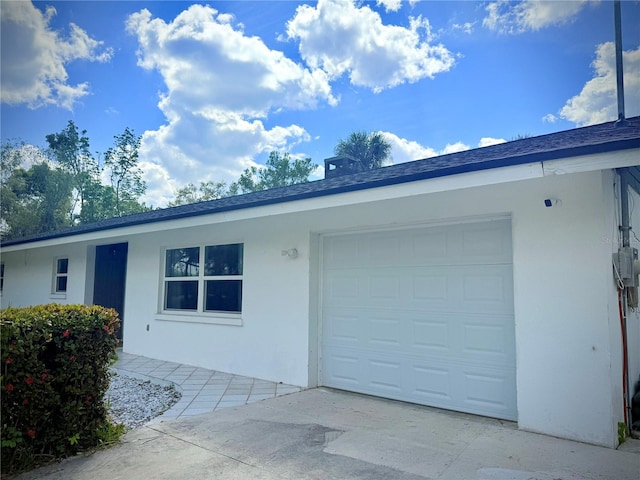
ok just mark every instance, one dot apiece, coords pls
pixel 212 319
pixel 58 296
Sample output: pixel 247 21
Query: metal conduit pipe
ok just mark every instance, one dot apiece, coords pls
pixel 617 14
pixel 625 223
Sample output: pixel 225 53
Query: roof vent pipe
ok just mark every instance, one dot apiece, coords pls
pixel 621 122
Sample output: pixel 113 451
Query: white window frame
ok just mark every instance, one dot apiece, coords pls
pixel 199 315
pixel 55 293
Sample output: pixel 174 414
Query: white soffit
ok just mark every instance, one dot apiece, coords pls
pixel 590 163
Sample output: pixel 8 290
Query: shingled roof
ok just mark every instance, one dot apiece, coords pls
pixel 602 138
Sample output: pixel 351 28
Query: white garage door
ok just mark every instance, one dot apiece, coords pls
pixel 422 315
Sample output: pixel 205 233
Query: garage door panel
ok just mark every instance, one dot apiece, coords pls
pixel 489 390
pixel 422 315
pixel 343 328
pixel 385 332
pixel 488 288
pixel 429 247
pixel 343 286
pixel 487 243
pixel 432 384
pixel 430 335
pixel 344 369
pixel 482 390
pixel 469 289
pixel 384 375
pixel 487 343
pixel 479 243
pixel 383 250
pixel 485 339
pixel 346 253
pixel 430 286
pixel 384 287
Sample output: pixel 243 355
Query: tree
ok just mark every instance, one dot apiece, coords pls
pixel 70 149
pixel 371 149
pixel 12 187
pixel 47 191
pixel 125 175
pixel 205 192
pixel 280 171
pixel 520 136
pixel 32 201
pixel 52 189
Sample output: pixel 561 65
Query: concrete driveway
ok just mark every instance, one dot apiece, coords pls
pixel 325 434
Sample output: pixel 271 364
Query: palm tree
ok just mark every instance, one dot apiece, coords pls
pixel 371 149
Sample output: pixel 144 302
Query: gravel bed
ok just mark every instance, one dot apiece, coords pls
pixel 134 402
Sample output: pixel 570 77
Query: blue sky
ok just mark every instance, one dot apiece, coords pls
pixel 214 87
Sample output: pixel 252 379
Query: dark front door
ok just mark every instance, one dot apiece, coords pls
pixel 110 275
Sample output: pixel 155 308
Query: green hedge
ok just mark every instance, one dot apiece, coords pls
pixel 55 373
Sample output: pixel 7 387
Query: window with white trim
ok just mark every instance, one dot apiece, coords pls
pixel 203 279
pixel 61 273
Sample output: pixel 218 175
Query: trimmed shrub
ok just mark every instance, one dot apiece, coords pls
pixel 54 375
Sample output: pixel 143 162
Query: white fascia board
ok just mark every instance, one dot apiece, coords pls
pixel 421 187
pixel 590 163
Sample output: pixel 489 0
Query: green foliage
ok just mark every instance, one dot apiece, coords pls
pixel 32 201
pixel 70 148
pixel 205 192
pixel 520 136
pixel 280 171
pixel 371 149
pixel 623 432
pixel 55 372
pixel 44 191
pixel 127 185
pixel 109 433
pixel 53 188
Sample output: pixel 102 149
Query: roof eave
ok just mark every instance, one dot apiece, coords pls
pixel 605 147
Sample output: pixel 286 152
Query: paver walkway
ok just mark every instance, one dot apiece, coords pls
pixel 203 391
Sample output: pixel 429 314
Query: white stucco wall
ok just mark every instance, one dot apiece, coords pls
pixel 270 344
pixel 563 301
pixel 563 293
pixel 29 276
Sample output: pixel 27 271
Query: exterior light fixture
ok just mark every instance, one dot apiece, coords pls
pixel 291 253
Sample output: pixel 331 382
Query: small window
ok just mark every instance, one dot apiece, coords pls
pixel 204 279
pixel 1 277
pixel 62 269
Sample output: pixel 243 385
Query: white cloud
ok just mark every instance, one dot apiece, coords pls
pixel 340 37
pixel 403 150
pixel 31 155
pixel 488 141
pixel 454 148
pixel 390 5
pixel 221 84
pixel 597 102
pixel 530 15
pixel 549 118
pixel 466 27
pixel 160 184
pixel 34 57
